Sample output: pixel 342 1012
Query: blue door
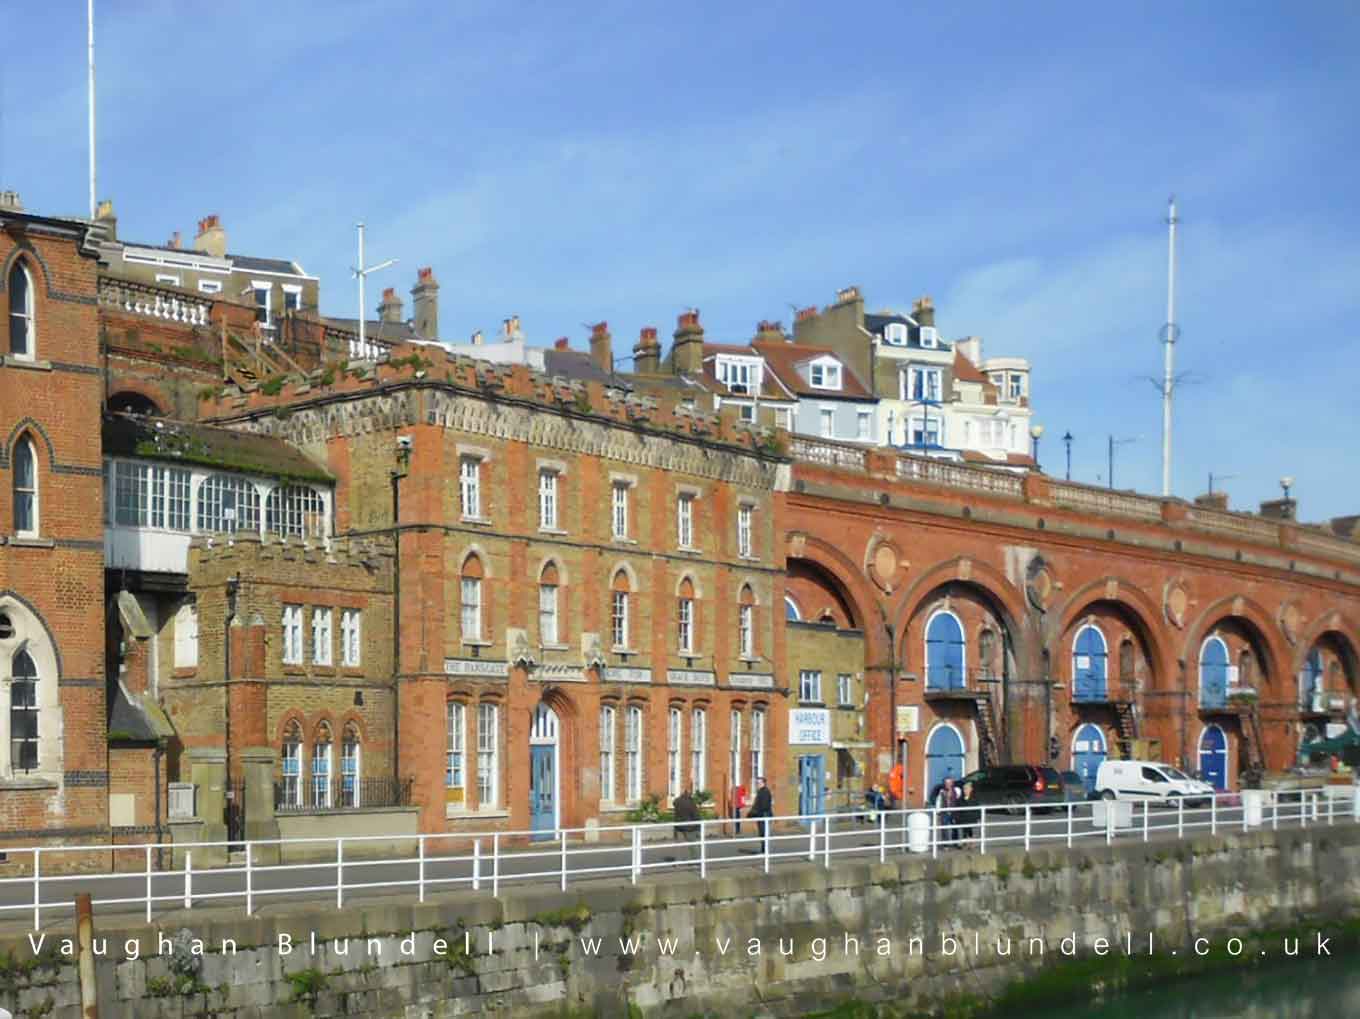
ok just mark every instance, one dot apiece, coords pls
pixel 944 652
pixel 1213 673
pixel 543 791
pixel 1088 751
pixel 944 757
pixel 1089 660
pixel 811 784
pixel 1213 757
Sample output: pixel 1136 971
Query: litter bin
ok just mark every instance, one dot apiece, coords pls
pixel 918 831
pixel 1253 807
pixel 1122 811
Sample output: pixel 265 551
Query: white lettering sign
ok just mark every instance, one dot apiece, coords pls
pixel 809 727
pixel 690 677
pixel 475 667
pixel 751 680
pixel 627 674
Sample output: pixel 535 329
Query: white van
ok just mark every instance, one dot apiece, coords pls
pixel 1150 780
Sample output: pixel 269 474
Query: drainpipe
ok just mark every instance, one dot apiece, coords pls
pixel 232 586
pixel 156 772
pixel 399 472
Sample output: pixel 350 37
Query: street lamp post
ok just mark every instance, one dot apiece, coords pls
pixel 1036 433
pixel 1067 441
pixel 1113 443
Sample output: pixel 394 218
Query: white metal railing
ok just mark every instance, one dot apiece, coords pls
pixel 487 861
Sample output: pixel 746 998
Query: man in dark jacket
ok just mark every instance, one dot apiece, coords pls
pixel 686 813
pixel 761 809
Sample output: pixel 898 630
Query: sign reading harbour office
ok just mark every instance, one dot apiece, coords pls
pixel 809 727
pixel 476 667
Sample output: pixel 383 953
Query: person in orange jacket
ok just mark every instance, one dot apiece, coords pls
pixel 896 779
pixel 740 801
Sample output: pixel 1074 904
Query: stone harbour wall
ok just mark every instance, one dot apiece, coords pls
pixel 739 944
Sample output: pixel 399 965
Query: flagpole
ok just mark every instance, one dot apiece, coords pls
pixel 90 28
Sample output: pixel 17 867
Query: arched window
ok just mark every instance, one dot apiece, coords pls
pixel 228 504
pixel 746 624
pixel 470 590
pixel 294 511
pixel 684 638
pixel 1090 656
pixel 547 606
pixel 321 767
pixel 1213 673
pixel 698 750
pixel 1128 666
pixel 618 610
pixel 1312 679
pixel 292 765
pixel 349 767
pixel 608 729
pixel 791 611
pixel 25 488
pixel 944 652
pixel 632 749
pixel 22 328
pixel 675 732
pixel 23 713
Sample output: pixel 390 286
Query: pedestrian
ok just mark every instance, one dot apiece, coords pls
pixel 761 811
pixel 897 783
pixel 968 810
pixel 686 815
pixel 739 801
pixel 946 804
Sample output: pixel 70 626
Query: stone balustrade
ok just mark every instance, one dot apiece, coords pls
pixel 164 303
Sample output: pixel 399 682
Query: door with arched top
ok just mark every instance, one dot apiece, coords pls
pixel 543 773
pixel 1089 751
pixel 1213 757
pixel 944 757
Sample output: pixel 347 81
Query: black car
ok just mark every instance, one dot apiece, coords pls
pixel 1015 785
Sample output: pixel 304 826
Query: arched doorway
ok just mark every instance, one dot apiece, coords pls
pixel 1089 750
pixel 945 652
pixel 1090 656
pixel 1213 673
pixel 944 756
pixel 1213 757
pixel 543 773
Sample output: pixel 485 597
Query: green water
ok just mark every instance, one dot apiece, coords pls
pixel 1326 989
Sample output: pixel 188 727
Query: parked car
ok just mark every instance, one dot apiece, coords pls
pixel 1074 789
pixel 1015 785
pixel 1150 781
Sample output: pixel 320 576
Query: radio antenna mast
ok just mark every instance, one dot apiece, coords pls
pixel 1169 336
pixel 89 16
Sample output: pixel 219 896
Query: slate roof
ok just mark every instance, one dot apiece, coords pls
pixel 875 324
pixel 393 332
pixel 771 387
pixel 280 265
pixel 131 435
pixel 576 364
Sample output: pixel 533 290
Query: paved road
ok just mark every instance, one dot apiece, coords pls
pixel 586 862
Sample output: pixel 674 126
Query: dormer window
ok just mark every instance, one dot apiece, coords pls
pixel 825 374
pixel 896 334
pixel 1016 387
pixel 738 375
pixel 930 337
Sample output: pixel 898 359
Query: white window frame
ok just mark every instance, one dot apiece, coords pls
pixel 209 286
pixel 548 492
pixel 757 743
pixel 323 636
pixel 932 383
pixel 734 748
pixel 864 425
pixel 783 418
pixel 684 639
pixel 28 314
pixel 547 614
pixel 608 761
pixel 619 510
pixel 470 487
pixel 294 291
pixel 698 749
pixel 746 632
pixel 488 755
pixel 256 287
pixel 292 635
pixel 351 765
pixel 825 374
pixel 1015 386
pixel 26 447
pixel 292 778
pixel 684 520
pixel 895 334
pixel 826 417
pixel 455 746
pixel 809 686
pixel 745 517
pixel 351 637
pixel 930 337
pixel 470 608
pixel 632 751
pixel 319 775
pixel 845 689
pixel 675 734
pixel 618 618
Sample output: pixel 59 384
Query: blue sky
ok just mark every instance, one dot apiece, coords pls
pixel 622 161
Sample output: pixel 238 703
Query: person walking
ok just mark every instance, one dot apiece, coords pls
pixel 739 803
pixel 968 811
pixel 686 815
pixel 946 805
pixel 761 811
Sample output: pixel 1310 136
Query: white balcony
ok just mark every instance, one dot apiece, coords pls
pixel 146 549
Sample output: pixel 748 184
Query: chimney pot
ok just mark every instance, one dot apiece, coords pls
pixel 647 352
pixel 212 237
pixel 807 313
pixel 562 343
pixel 425 304
pixel 601 347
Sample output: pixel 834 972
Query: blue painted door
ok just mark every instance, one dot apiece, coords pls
pixel 1089 661
pixel 811 784
pixel 1213 673
pixel 542 790
pixel 944 757
pixel 1213 757
pixel 944 653
pixel 1088 751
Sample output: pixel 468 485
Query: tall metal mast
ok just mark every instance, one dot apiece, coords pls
pixel 361 272
pixel 90 28
pixel 1169 346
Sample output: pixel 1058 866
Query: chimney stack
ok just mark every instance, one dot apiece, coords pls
pixel 10 200
pixel 770 332
pixel 212 237
pixel 174 241
pixel 425 303
pixel 389 310
pixel 601 347
pixel 1213 500
pixel 103 213
pixel 1280 509
pixel 687 348
pixel 510 328
pixel 848 295
pixel 647 352
pixel 562 343
pixel 970 348
pixel 923 310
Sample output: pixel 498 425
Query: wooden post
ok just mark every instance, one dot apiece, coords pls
pixel 89 1005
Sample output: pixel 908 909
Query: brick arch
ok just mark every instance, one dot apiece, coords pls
pixel 30 425
pixel 1256 619
pixel 854 586
pixel 33 610
pixel 1141 611
pixel 1341 629
pixel 292 715
pixel 144 389
pixel 25 253
pixel 355 719
pixel 990 582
